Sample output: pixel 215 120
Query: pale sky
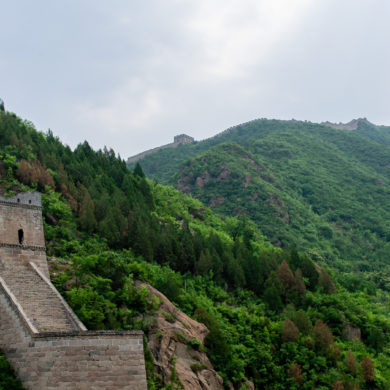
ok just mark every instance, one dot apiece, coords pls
pixel 132 74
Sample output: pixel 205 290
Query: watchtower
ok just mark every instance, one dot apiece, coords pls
pixel 21 230
pixel 21 221
pixel 183 139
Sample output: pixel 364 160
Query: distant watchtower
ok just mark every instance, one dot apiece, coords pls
pixel 183 139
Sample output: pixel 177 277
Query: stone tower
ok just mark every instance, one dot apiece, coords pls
pixel 43 339
pixel 21 221
pixel 21 231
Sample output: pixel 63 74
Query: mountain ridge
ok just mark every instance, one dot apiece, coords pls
pixel 351 125
pixel 336 180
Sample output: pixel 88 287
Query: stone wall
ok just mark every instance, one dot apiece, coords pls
pixel 40 335
pixel 70 360
pixel 14 330
pixel 88 360
pixel 181 139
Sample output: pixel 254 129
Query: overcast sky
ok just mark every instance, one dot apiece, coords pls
pixel 132 74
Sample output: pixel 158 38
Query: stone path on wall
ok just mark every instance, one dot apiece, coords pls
pixel 41 304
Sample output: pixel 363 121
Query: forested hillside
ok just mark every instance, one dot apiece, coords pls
pixel 275 317
pixel 325 190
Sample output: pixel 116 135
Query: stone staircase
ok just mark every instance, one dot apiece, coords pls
pixel 50 348
pixel 40 301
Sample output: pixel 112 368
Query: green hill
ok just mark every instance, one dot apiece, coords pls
pixel 275 318
pixel 325 190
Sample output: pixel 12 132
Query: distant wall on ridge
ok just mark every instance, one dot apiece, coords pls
pixel 180 139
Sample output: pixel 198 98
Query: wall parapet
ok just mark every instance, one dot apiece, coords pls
pixel 69 312
pixel 23 206
pixel 24 247
pixel 17 308
pixel 88 333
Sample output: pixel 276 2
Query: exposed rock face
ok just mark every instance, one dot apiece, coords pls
pixel 174 335
pixel 203 179
pixel 246 181
pixel 216 201
pixel 281 210
pixel 224 174
pixel 253 163
pixel 255 196
pixel 351 332
pixel 184 184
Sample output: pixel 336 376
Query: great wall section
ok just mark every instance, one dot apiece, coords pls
pixel 40 335
pixel 181 139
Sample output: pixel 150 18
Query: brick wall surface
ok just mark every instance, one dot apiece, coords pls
pixel 84 361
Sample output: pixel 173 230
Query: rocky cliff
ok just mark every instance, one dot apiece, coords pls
pixel 176 343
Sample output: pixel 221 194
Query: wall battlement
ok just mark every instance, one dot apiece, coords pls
pixel 41 336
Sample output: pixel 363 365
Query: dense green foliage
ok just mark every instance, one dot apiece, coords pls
pixel 324 190
pixel 7 376
pixel 274 316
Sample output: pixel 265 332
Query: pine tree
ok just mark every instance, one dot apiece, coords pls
pixel 326 282
pixel 295 261
pixel 86 212
pixel 290 332
pixel 286 276
pixel 368 370
pixel 302 322
pixel 273 299
pixel 323 336
pixel 299 283
pixel 138 171
pixel 204 264
pixel 295 372
pixel 350 361
pixel 338 386
pixel 309 271
pixel 234 273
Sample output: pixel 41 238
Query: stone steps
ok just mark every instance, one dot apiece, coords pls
pixel 40 303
